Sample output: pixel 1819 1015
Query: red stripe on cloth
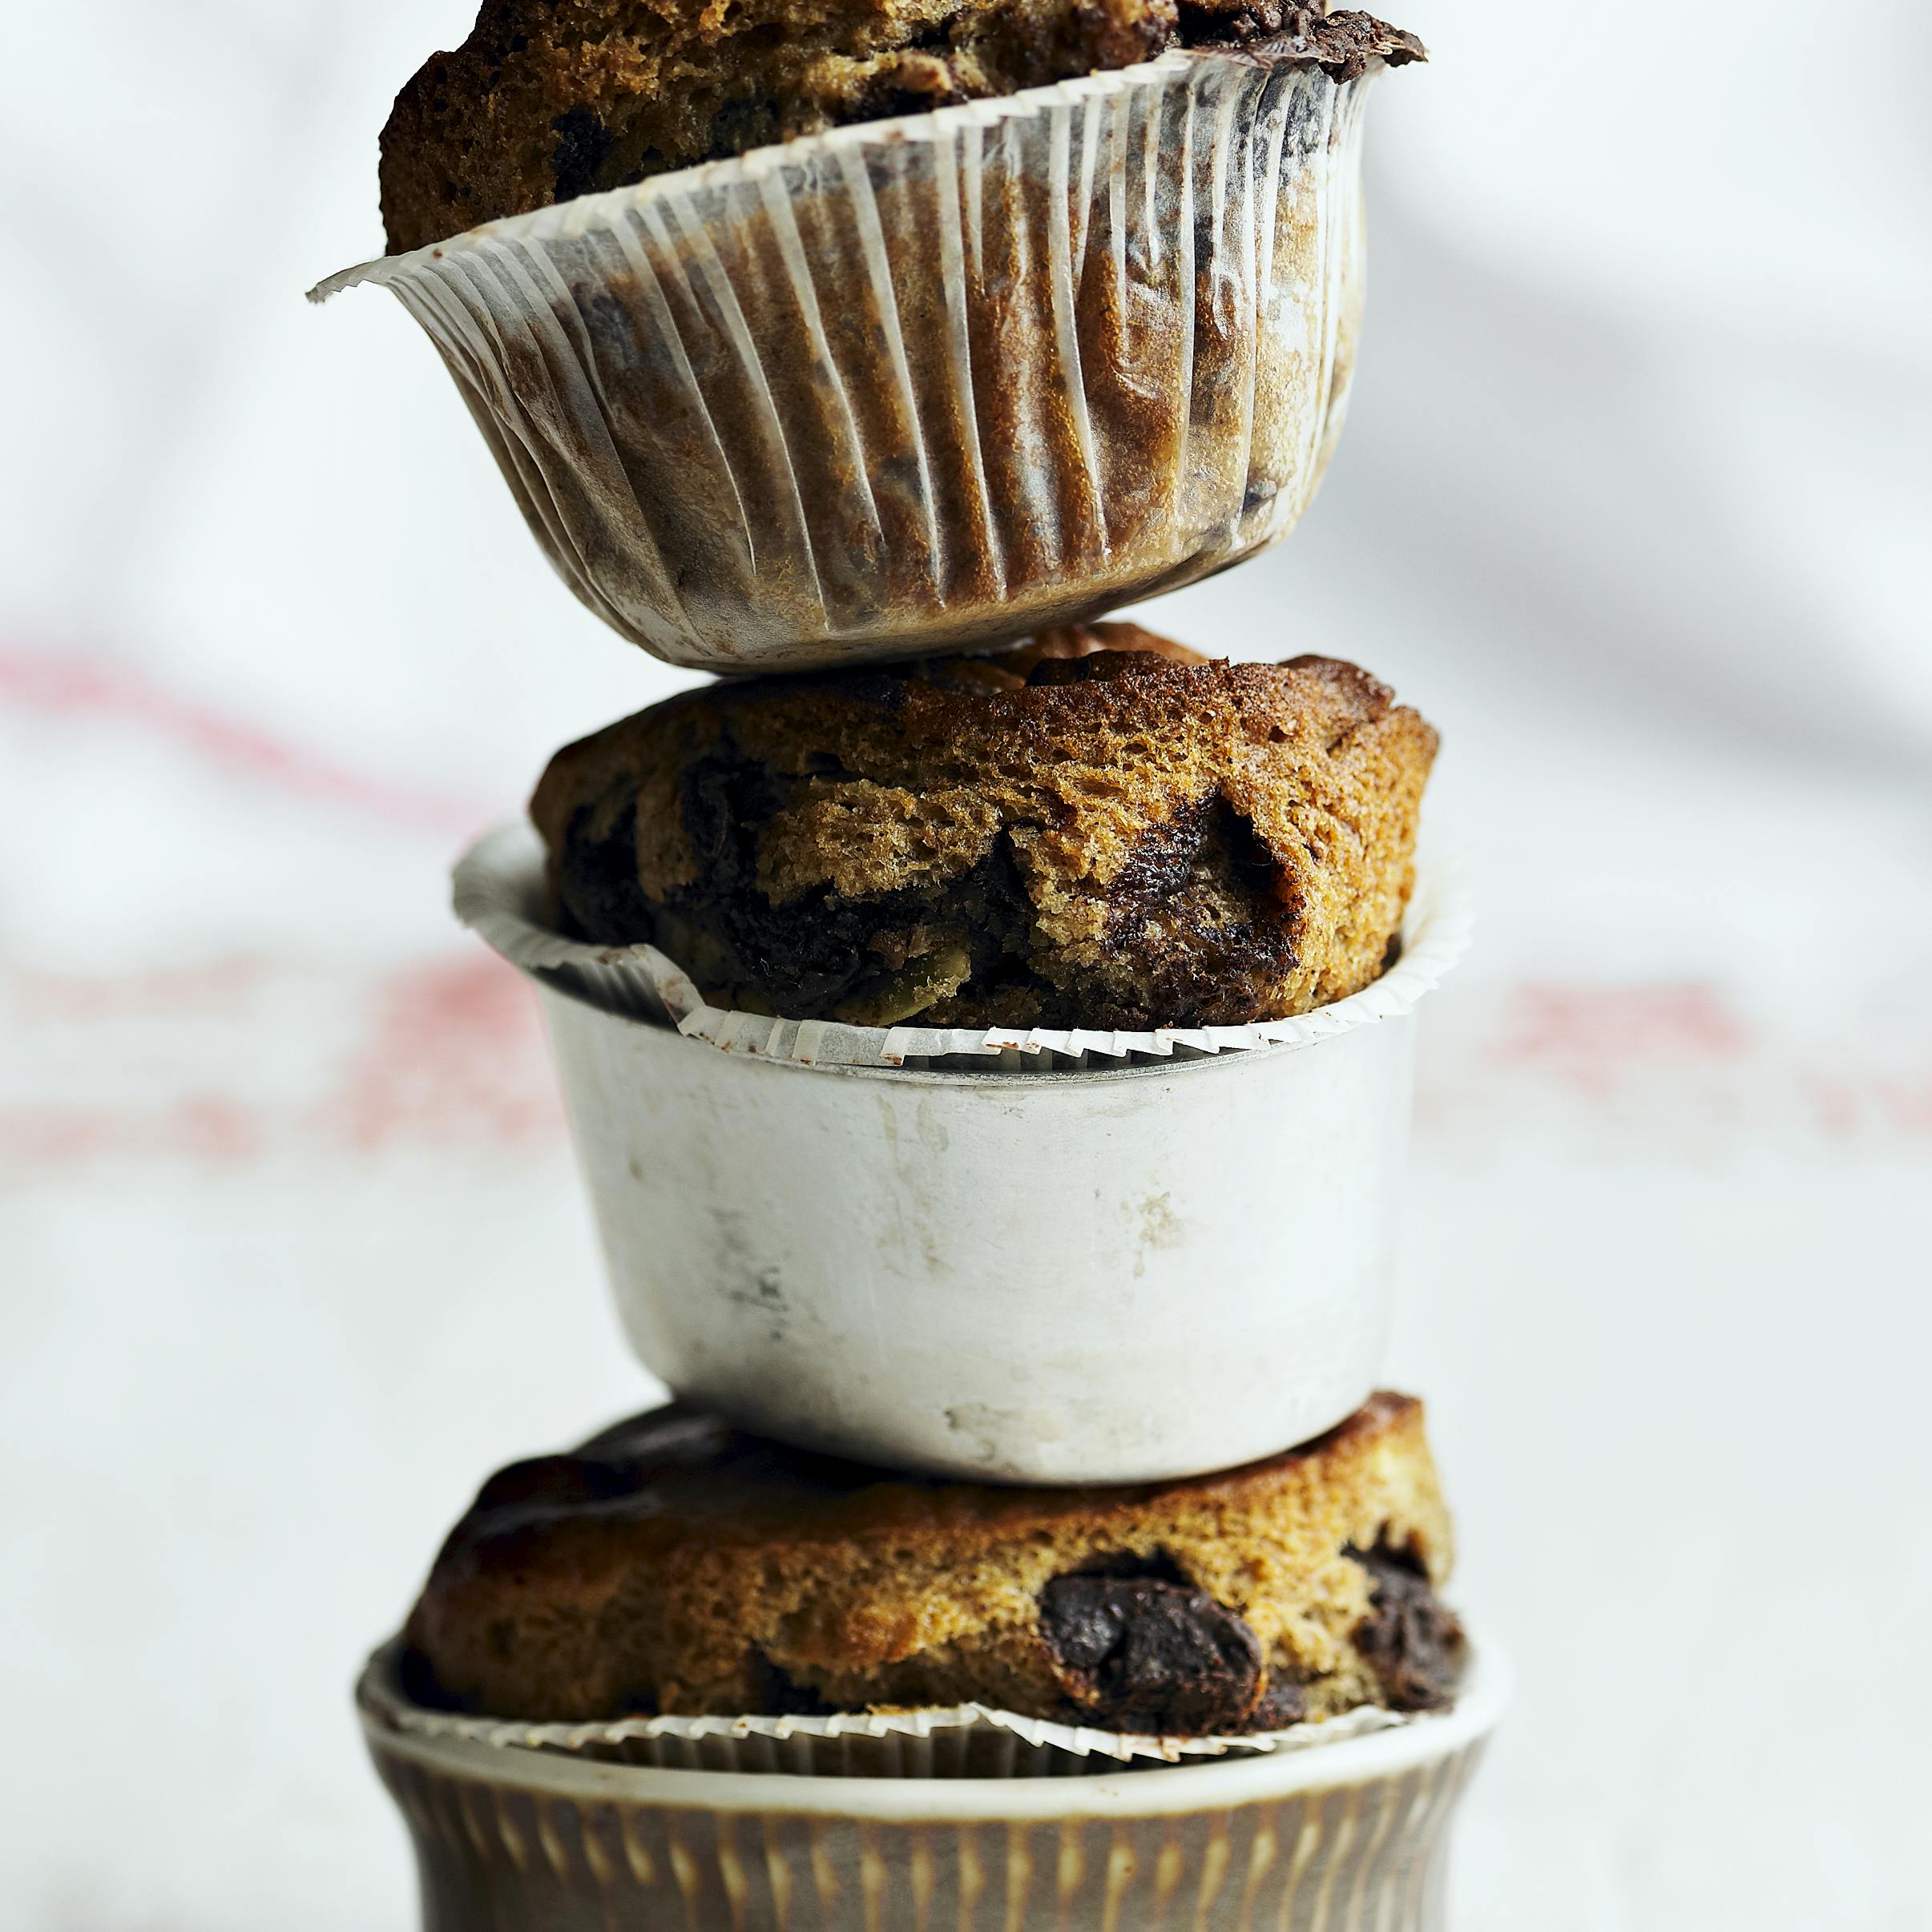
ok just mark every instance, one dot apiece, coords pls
pixel 76 685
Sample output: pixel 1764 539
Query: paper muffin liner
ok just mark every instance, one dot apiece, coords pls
pixel 918 385
pixel 500 894
pixel 1353 1835
pixel 964 1740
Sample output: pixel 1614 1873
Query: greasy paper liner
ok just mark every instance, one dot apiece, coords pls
pixel 922 384
pixel 1351 1837
pixel 966 1740
pixel 499 893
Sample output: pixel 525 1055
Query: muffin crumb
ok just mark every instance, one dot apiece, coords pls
pixel 673 1565
pixel 1100 829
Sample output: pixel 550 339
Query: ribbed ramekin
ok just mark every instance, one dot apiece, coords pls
pixel 1350 1837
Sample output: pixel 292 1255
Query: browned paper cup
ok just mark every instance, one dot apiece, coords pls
pixel 1352 1835
pixel 918 384
pixel 960 1740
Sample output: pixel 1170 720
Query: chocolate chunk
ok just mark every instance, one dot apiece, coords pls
pixel 1412 1643
pixel 554 1484
pixel 1341 43
pixel 597 888
pixel 583 145
pixel 1141 1653
pixel 776 1693
pixel 1284 1703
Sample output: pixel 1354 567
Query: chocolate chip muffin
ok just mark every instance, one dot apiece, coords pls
pixel 549 99
pixel 1102 829
pixel 672 1565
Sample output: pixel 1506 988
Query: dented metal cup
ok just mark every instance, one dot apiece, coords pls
pixel 1136 1267
pixel 919 385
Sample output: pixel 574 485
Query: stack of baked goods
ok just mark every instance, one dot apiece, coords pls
pixel 985 1028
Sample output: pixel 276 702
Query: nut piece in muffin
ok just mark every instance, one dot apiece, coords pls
pixel 1101 830
pixel 549 99
pixel 674 1566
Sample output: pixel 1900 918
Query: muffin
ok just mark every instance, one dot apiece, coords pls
pixel 550 99
pixel 1102 829
pixel 672 1565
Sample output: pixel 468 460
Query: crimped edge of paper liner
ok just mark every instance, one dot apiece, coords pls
pixel 761 1746
pixel 499 892
pixel 588 211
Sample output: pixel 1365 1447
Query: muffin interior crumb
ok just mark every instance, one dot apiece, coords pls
pixel 1102 829
pixel 673 1565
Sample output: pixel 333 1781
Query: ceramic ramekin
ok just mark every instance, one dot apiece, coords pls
pixel 1079 1276
pixel 918 384
pixel 1349 1837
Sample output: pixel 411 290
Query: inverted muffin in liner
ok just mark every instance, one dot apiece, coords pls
pixel 1352 1835
pixel 1157 1258
pixel 499 892
pixel 916 385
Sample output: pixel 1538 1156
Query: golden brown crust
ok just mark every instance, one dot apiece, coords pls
pixel 548 99
pixel 1100 830
pixel 674 1566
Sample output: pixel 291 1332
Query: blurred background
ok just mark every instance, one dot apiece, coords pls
pixel 1635 504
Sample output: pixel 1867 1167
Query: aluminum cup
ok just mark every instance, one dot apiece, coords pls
pixel 1353 1835
pixel 918 384
pixel 1106 1274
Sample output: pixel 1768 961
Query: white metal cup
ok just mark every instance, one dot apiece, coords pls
pixel 1046 1277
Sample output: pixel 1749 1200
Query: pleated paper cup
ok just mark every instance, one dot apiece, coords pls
pixel 962 1740
pixel 1112 1273
pixel 920 384
pixel 1350 1836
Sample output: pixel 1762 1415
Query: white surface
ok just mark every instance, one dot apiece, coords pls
pixel 1633 501
pixel 1036 1278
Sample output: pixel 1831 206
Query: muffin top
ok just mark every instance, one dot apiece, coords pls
pixel 550 99
pixel 1102 829
pixel 673 1564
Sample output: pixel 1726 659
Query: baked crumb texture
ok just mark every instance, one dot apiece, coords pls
pixel 672 1565
pixel 550 99
pixel 1100 830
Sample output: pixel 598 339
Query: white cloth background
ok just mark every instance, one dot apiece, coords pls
pixel 1635 504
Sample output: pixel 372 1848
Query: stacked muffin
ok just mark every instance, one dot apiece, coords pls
pixel 1021 1278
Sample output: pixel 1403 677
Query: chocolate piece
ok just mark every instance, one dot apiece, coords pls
pixel 597 884
pixel 583 145
pixel 1139 1653
pixel 1411 1641
pixel 1341 44
pixel 1284 1703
